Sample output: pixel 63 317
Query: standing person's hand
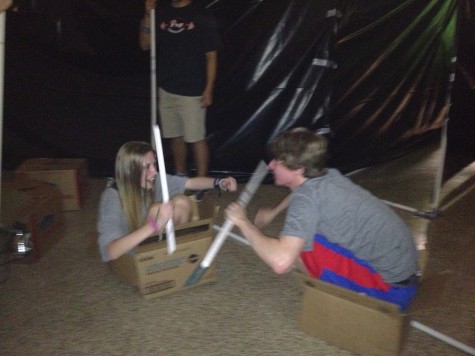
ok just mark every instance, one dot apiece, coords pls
pixel 149 5
pixel 144 36
pixel 207 98
pixel 5 4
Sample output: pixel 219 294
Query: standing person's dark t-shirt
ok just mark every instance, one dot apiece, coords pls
pixel 184 36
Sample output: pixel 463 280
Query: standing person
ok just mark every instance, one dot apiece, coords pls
pixel 187 42
pixel 130 210
pixel 334 229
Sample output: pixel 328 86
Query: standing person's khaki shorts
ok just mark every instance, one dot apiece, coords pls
pixel 182 116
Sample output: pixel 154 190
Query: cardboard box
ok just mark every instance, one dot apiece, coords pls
pixel 359 323
pixel 156 273
pixel 37 206
pixel 68 174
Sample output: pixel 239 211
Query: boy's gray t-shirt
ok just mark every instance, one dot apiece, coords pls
pixel 111 221
pixel 347 214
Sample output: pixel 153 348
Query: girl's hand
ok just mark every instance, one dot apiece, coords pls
pixel 158 215
pixel 229 184
pixel 165 213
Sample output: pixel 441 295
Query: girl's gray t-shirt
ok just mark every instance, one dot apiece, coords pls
pixel 111 221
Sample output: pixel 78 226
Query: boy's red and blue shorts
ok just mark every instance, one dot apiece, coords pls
pixel 334 264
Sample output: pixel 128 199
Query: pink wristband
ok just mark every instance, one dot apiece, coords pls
pixel 153 224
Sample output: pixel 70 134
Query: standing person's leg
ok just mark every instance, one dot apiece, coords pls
pixel 194 121
pixel 172 128
pixel 179 151
pixel 201 154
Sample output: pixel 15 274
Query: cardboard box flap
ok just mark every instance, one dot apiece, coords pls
pixel 346 294
pixel 155 272
pixel 50 164
pixel 204 213
pixel 193 226
pixel 206 208
pixel 33 207
pixel 359 323
pixel 34 189
pixel 153 242
pixel 20 184
pixel 431 293
pixel 21 197
pixel 68 174
pixel 351 321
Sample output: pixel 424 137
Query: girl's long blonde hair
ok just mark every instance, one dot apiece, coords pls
pixel 135 200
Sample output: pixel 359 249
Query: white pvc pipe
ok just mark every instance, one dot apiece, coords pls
pixel 400 206
pixel 155 131
pixel 469 350
pixel 2 76
pixel 440 170
pixel 457 198
pixel 234 236
pixel 443 142
pixel 244 198
pixel 171 242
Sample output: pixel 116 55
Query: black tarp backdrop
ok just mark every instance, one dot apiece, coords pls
pixel 77 84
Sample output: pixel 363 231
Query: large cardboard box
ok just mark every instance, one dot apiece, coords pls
pixel 359 323
pixel 38 207
pixel 155 272
pixel 68 174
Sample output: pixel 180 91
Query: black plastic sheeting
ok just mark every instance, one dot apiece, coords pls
pixel 373 75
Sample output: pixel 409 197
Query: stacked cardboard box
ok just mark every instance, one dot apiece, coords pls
pixel 38 207
pixel 155 272
pixel 68 174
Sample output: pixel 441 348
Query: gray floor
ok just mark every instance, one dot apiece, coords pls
pixel 69 303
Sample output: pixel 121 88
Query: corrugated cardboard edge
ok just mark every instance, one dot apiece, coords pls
pixel 430 295
pixel 350 320
pixel 347 294
pixel 34 197
pixel 125 267
pixel 75 168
